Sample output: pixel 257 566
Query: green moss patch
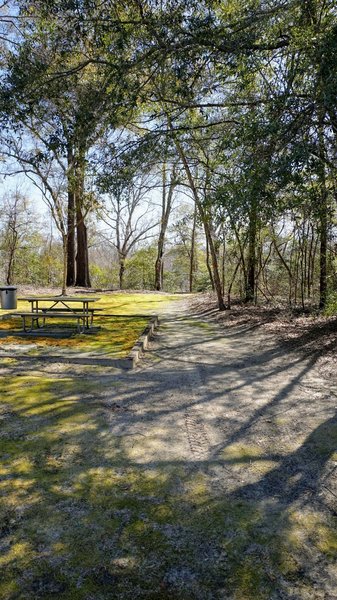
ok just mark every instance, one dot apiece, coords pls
pixel 114 337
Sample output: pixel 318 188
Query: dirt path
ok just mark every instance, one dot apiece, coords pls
pixel 248 429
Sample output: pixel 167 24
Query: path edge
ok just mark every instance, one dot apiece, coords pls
pixel 137 351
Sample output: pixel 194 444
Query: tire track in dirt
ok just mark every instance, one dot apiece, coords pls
pixel 197 437
pixel 198 440
pixel 191 384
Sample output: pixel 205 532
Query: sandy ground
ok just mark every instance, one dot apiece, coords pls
pixel 256 420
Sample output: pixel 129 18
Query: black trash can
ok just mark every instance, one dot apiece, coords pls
pixel 8 297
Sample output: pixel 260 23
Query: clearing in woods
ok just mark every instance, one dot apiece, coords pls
pixel 210 471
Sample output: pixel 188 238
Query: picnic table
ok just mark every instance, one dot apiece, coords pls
pixel 61 307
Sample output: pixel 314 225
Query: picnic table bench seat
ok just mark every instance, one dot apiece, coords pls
pixel 81 318
pixel 60 307
pixel 89 310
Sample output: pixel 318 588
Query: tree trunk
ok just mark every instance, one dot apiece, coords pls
pixel 287 267
pixel 166 210
pixel 209 266
pixel 223 263
pixel 65 258
pixel 70 219
pixel 192 257
pixel 82 258
pixel 251 258
pixel 240 245
pixel 122 271
pixel 10 267
pixel 71 240
pixel 231 283
pixel 82 255
pixel 323 251
pixel 203 216
pixel 323 219
pixel 158 281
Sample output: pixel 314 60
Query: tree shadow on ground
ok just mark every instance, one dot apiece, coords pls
pixel 89 512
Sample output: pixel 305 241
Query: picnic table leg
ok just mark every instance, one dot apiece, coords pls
pixel 86 311
pixel 79 327
pixel 37 321
pixel 79 319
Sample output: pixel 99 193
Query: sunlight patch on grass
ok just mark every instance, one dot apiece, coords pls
pixel 309 525
pixel 115 336
pixel 131 304
pixel 252 457
pixel 18 551
pixel 241 453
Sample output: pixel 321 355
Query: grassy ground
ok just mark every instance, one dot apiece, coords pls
pixel 80 521
pixel 69 509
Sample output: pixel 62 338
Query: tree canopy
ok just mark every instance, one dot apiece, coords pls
pixel 237 99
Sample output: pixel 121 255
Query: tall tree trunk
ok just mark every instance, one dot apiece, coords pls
pixel 71 239
pixel 70 264
pixel 251 258
pixel 323 220
pixel 223 262
pixel 192 256
pixel 301 263
pixel 82 258
pixel 65 258
pixel 121 271
pixel 158 269
pixel 11 260
pixel 240 245
pixel 287 267
pixel 166 210
pixel 208 265
pixel 310 257
pixel 231 283
pixel 82 255
pixel 213 254
pixel 323 250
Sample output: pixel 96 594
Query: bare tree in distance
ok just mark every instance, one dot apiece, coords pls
pixel 48 177
pixel 168 188
pixel 16 219
pixel 130 215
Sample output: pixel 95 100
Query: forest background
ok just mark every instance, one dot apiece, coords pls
pixel 176 146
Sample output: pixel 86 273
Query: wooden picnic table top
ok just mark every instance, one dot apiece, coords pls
pixel 59 298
